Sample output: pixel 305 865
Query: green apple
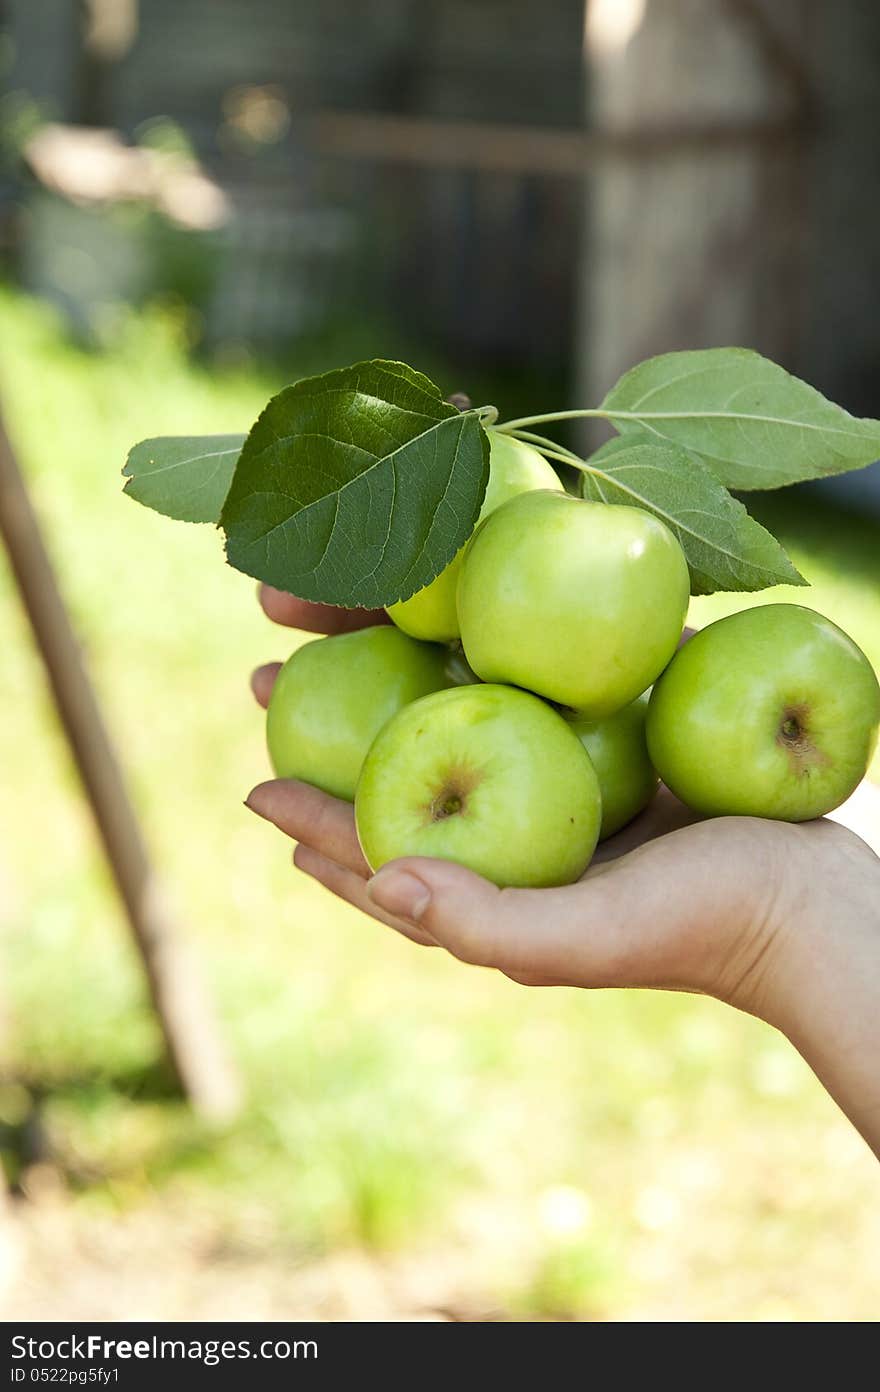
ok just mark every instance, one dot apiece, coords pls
pixel 513 468
pixel 618 752
pixel 582 602
pixel 772 712
pixel 333 695
pixel 484 775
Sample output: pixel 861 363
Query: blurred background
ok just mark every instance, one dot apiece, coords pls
pixel 203 200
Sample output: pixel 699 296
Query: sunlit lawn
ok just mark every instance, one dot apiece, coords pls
pixel 611 1155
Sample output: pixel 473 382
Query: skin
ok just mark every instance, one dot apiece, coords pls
pixel 772 712
pixel 487 776
pixel 331 698
pixel 779 920
pixel 587 600
pixel 619 754
pixel 514 468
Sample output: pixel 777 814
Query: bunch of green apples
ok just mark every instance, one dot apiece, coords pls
pixel 574 698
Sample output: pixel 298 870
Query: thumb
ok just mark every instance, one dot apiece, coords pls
pixel 559 935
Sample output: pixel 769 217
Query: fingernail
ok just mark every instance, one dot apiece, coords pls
pixel 252 801
pixel 399 893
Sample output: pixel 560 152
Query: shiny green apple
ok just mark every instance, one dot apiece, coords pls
pixel 581 602
pixel 772 712
pixel 333 695
pixel 514 468
pixel 484 775
pixel 618 752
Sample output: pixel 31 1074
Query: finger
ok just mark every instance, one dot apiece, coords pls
pixel 286 609
pixel 311 817
pixel 552 935
pixel 352 887
pixel 650 918
pixel 262 681
pixel 522 978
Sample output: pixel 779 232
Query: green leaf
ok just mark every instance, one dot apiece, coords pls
pixel 753 424
pixel 726 549
pixel 357 487
pixel 183 476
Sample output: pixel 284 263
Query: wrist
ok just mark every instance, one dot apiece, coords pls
pixel 821 986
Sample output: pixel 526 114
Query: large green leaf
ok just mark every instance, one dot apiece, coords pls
pixel 726 549
pixel 357 487
pixel 754 424
pixel 183 476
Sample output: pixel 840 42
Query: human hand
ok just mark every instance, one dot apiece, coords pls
pixel 780 920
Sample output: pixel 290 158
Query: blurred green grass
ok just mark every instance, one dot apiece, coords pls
pixel 628 1155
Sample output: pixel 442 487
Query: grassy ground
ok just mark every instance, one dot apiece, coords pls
pixel 483 1147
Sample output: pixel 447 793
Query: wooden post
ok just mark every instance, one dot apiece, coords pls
pixel 686 252
pixel 195 1049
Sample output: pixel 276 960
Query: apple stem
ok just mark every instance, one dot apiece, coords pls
pixel 581 414
pixel 488 414
pixel 557 451
pixel 552 450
